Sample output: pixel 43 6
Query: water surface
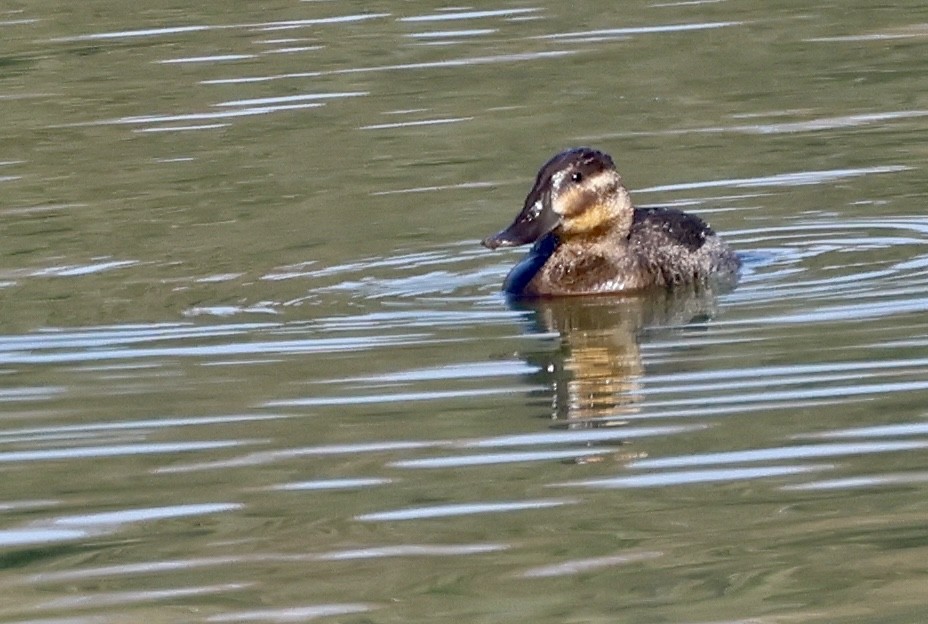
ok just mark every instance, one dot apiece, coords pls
pixel 256 367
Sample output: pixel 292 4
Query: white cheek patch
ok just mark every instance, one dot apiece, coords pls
pixel 557 183
pixel 535 211
pixel 599 181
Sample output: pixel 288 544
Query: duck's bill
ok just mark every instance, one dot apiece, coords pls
pixel 535 220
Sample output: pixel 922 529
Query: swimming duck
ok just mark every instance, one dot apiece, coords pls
pixel 589 238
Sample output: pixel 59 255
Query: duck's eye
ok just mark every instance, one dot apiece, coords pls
pixel 576 176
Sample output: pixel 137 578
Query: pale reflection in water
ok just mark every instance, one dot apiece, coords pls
pixel 596 373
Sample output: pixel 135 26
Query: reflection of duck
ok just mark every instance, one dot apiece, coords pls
pixel 590 239
pixel 596 373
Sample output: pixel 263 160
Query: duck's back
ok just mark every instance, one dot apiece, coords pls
pixel 675 247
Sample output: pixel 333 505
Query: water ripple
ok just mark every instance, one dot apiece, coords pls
pixel 126 34
pixel 322 345
pixel 781 453
pixel 796 178
pixel 574 436
pixel 880 431
pixel 496 458
pixel 123 516
pixel 291 614
pixel 461 509
pixel 216 58
pixel 125 598
pixel 582 566
pixel 128 425
pixel 461 15
pixel 422 122
pixel 83 525
pixel 817 124
pixel 866 481
pixel 331 484
pixel 174 30
pixel 441 34
pixel 267 457
pixel 292 98
pixel 689 477
pixel 225 114
pixel 799 393
pixel 115 450
pixel 468 370
pixel 412 550
pixel 461 62
pixel 402 397
pixel 598 35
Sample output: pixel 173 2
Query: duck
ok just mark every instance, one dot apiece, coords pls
pixel 588 238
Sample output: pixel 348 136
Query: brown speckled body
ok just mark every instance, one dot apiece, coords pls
pixel 664 248
pixel 589 239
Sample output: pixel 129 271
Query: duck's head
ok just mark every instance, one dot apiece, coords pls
pixel 577 193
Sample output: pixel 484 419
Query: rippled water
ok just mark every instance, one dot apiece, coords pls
pixel 255 365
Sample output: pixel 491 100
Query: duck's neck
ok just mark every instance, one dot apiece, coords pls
pixel 621 212
pixel 610 222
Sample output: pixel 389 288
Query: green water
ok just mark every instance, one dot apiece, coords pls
pixel 254 364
